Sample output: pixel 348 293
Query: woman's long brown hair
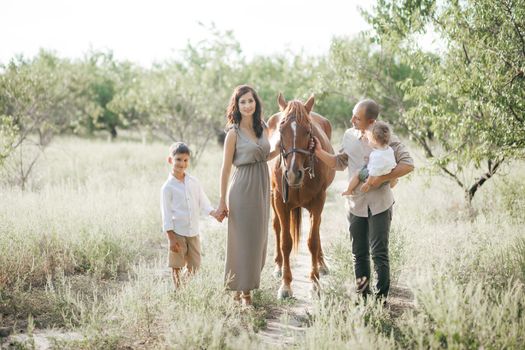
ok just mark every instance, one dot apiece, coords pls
pixel 234 115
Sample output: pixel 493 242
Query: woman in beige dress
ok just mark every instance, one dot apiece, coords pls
pixel 248 207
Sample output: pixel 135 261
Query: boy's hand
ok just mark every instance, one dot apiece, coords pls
pixel 174 246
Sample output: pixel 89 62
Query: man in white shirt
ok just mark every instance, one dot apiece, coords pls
pixel 369 213
pixel 182 199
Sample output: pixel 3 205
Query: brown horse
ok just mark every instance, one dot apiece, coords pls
pixel 299 180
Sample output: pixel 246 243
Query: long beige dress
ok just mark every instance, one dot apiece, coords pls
pixel 249 213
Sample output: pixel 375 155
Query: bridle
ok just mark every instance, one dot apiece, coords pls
pixel 284 153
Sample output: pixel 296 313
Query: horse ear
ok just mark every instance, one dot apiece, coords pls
pixel 281 101
pixel 309 105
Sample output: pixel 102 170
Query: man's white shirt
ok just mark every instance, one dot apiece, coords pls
pixel 353 147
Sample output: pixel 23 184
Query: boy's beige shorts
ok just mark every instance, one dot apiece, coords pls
pixel 189 254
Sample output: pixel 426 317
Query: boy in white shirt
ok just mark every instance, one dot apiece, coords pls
pixel 380 162
pixel 181 200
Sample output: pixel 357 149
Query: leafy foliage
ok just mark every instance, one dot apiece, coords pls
pixel 468 110
pixel 35 106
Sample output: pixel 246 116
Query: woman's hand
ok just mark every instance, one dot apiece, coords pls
pixel 222 210
pixel 229 150
pixel 217 215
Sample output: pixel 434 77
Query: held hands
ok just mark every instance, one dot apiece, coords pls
pixel 221 215
pixel 221 212
pixel 218 215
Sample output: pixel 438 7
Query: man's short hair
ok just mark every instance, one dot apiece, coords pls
pixel 370 107
pixel 381 132
pixel 179 148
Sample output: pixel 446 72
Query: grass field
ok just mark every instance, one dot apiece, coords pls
pixel 82 251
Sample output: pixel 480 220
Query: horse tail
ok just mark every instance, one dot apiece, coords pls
pixel 295 228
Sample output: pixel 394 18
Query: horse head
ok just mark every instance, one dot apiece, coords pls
pixel 296 132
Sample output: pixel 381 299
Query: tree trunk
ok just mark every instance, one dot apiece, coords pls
pixel 492 168
pixel 113 131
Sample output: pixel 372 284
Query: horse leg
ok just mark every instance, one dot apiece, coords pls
pixel 323 268
pixel 277 273
pixel 313 246
pixel 314 242
pixel 285 291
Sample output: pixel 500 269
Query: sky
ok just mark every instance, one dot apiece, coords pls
pixel 148 31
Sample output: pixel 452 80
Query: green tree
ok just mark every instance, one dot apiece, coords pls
pixel 134 100
pixel 35 104
pixel 293 75
pixel 189 95
pixel 472 100
pixel 99 88
pixel 101 72
pixel 357 68
pixel 8 135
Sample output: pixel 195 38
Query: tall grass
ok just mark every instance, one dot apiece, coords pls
pixel 82 250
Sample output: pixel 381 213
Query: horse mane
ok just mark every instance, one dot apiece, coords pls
pixel 296 109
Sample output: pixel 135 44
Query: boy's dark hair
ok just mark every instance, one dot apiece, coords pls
pixel 381 132
pixel 179 148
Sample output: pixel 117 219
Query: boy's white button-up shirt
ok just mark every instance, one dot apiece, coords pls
pixel 181 202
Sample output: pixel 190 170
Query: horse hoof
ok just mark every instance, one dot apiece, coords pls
pixel 323 271
pixel 284 293
pixel 277 273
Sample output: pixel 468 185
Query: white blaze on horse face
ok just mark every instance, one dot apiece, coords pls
pixel 294 129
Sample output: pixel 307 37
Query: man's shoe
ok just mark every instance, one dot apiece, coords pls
pixel 362 285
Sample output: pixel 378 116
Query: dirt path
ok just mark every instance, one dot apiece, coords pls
pixel 39 339
pixel 290 321
pixel 400 297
